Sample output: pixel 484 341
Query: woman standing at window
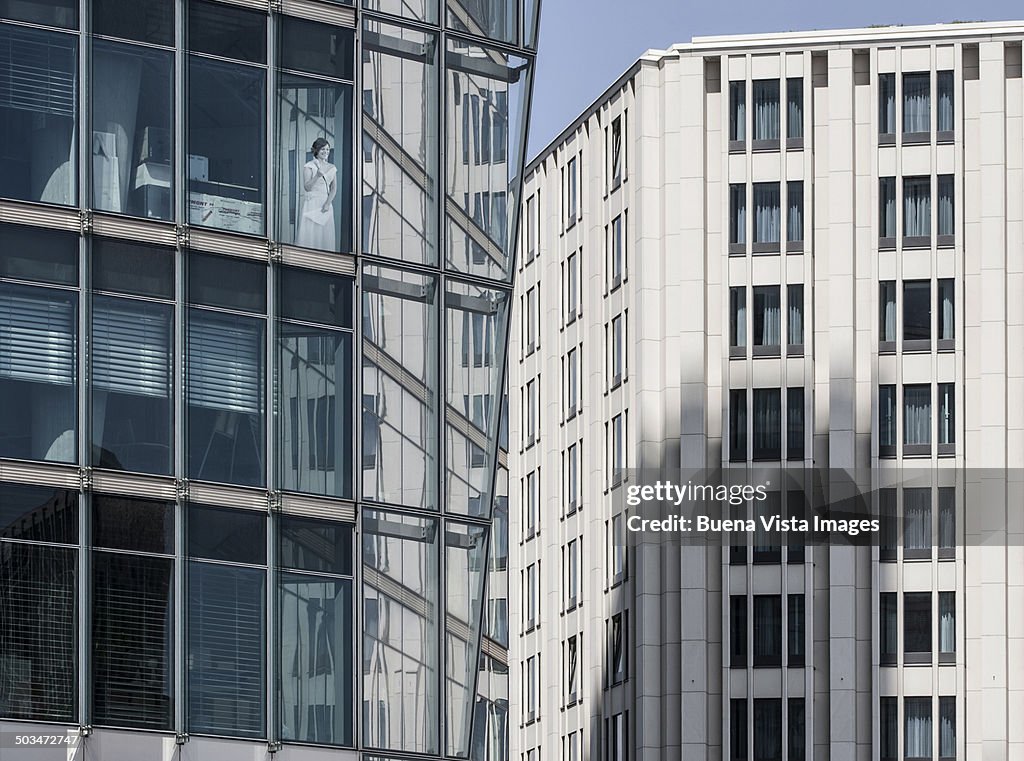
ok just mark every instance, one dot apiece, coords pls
pixel 319 180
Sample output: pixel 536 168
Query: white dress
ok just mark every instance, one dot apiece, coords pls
pixel 315 229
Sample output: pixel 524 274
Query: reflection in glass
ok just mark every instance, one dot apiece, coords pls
pixel 38 378
pixel 46 12
pixel 142 20
pixel 33 253
pixel 227 31
pixel 418 10
pixel 400 143
pixel 226 145
pixel 493 19
pixel 400 632
pixel 132 124
pixel 38 155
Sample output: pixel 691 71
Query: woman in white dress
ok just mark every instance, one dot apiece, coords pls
pixel 316 218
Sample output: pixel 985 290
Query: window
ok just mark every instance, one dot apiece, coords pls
pixel 572 290
pixel 615 150
pixel 767 424
pixel 738 729
pixel 888 632
pixel 766 111
pixel 917 315
pixel 917 523
pixel 767 729
pixel 738 630
pixel 531 688
pixel 617 648
pixel 794 215
pixel 887 421
pixel 888 729
pixel 737 112
pixel 767 319
pixel 917 419
pixel 796 630
pixel 890 528
pixel 531 325
pixel 947 522
pixel 946 317
pixel 63 13
pixel 917 715
pixel 570 198
pixel 917 211
pixel 572 573
pixel 737 425
pixel 737 219
pixel 767 630
pixel 616 254
pixel 917 627
pixel 887 212
pixel 737 320
pixel 617 738
pixel 947 418
pixel 572 382
pixel 530 504
pixel 887 315
pixel 766 543
pixel 794 110
pixel 617 351
pixel 530 413
pixel 947 727
pixel 795 325
pixel 617 549
pixel 572 476
pixel 945 209
pixel 531 228
pixel 530 597
pixel 767 219
pixel 617 449
pixel 39 157
pixel 916 104
pixel 572 669
pixel 887 105
pixel 945 106
pixel 797 730
pixel 947 626
pixel 795 508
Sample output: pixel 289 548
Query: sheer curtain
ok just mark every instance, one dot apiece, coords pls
pixel 795 211
pixel 795 325
pixel 887 416
pixel 767 316
pixel 766 109
pixel 918 738
pixel 947 518
pixel 917 519
pixel 946 313
pixel 887 104
pixel 945 205
pixel 767 223
pixel 794 107
pixel 947 727
pixel 887 309
pixel 887 207
pixel 768 729
pixel 947 622
pixel 738 316
pixel 944 107
pixel 738 111
pixel 917 415
pixel 916 102
pixel 947 420
pixel 767 423
pixel 737 213
pixel 917 207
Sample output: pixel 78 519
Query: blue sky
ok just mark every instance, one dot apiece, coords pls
pixel 586 44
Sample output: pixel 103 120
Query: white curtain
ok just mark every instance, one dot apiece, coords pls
pixel 794 108
pixel 918 739
pixel 795 212
pixel 767 317
pixel 946 418
pixel 947 727
pixel 737 111
pixel 887 204
pixel 738 316
pixel 887 416
pixel 945 206
pixel 946 309
pixel 916 103
pixel 947 623
pixel 889 324
pixel 738 213
pixel 944 107
pixel 917 207
pixel 886 104
pixel 766 110
pixel 767 423
pixel 796 315
pixel 947 518
pixel 917 519
pixel 767 223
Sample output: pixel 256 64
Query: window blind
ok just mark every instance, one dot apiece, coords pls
pixel 38 71
pixel 131 347
pixel 225 362
pixel 37 335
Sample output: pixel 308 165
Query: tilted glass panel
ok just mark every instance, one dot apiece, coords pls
pixel 228 535
pixel 38 97
pixel 493 19
pixel 484 97
pixel 465 571
pixel 400 388
pixel 38 514
pixel 32 253
pixel 418 10
pixel 136 269
pixel 142 20
pixel 46 12
pixel 132 143
pixel 319 546
pixel 38 373
pixel 400 143
pixel 228 282
pixel 315 48
pixel 475 324
pixel 227 31
pixel 400 632
pixel 124 523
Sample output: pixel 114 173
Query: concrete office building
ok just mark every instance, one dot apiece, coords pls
pixel 795 250
pixel 255 277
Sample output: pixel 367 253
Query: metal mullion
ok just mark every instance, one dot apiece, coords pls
pixel 441 414
pixel 271 386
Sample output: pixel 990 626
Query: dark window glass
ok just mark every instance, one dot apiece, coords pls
pixel 316 297
pixel 766 543
pixel 917 102
pixel 767 423
pixel 62 13
pixel 738 425
pixel 917 310
pixel 795 508
pixel 888 729
pixel 123 523
pixel 946 206
pixel 38 589
pixel 888 632
pixel 220 533
pixel 737 213
pixel 890 528
pixel 887 104
pixel 917 622
pixel 886 207
pixel 947 413
pixel 947 518
pixel 38 145
pixel 947 622
pixel 314 545
pixel 887 311
pixel 946 330
pixel 795 110
pixel 947 727
pixel 738 316
pixel 767 328
pixel 38 514
pixel 887 421
pixel 143 20
pixel 795 211
pixel 738 629
pixel 796 629
pixel 767 630
pixel 917 737
pixel 38 373
pixel 766 109
pixel 220 281
pixel 32 253
pixel 768 729
pixel 946 101
pixel 317 48
pixel 132 123
pixel 797 730
pixel 738 729
pixel 767 209
pixel 738 111
pixel 227 31
pixel 795 423
pixel 795 315
pixel 132 621
pixel 138 269
pixel 917 520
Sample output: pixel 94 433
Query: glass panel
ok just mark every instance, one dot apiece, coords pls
pixel 132 409
pixel 316 659
pixel 795 211
pixel 767 729
pixel 475 323
pixel 946 96
pixel 62 13
pixel 132 621
pixel 738 629
pixel 38 590
pixel 766 543
pixel 947 727
pixel 797 730
pixel 738 316
pixel 226 145
pixel 465 570
pixel 795 320
pixel 795 423
pixel 917 741
pixel 917 207
pixel 917 622
pixel 400 632
pixel 738 111
pixel 39 156
pixel 221 533
pixel 314 147
pixel 32 253
pixel 317 48
pixel 142 20
pixel 795 107
pixel 767 221
pixel 220 281
pixel 738 425
pixel 316 297
pixel 400 387
pixel 227 31
pixel 888 631
pixel 917 102
pixel 418 10
pixel 887 311
pixel 890 529
pixel 917 310
pixel 887 416
pixel 947 622
pixel 767 629
pixel 133 268
pixel 947 313
pixel 917 519
pixel 767 315
pixel 38 373
pixel 225 654
pixel 485 109
pixel 737 213
pixel 38 514
pixel 738 729
pixel 947 416
pixel 889 729
pixel 316 410
pixel 315 545
pixel 766 109
pixel 887 104
pixel 132 128
pixel 126 523
pixel 493 19
pixel 946 205
pixel 887 207
pixel 226 369
pixel 947 518
pixel 917 414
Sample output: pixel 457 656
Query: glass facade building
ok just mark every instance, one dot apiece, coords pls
pixel 256 263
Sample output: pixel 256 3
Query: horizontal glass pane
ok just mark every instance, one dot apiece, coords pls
pixel 38 373
pixel 38 152
pixel 132 130
pixel 32 253
pixel 221 533
pixel 316 297
pixel 314 147
pixel 220 281
pixel 142 20
pixel 38 514
pixel 315 545
pixel 38 589
pixel 226 145
pixel 227 31
pixel 126 523
pixel 418 10
pixel 493 19
pixel 317 48
pixel 132 621
pixel 138 269
pixel 62 13
pixel 316 657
